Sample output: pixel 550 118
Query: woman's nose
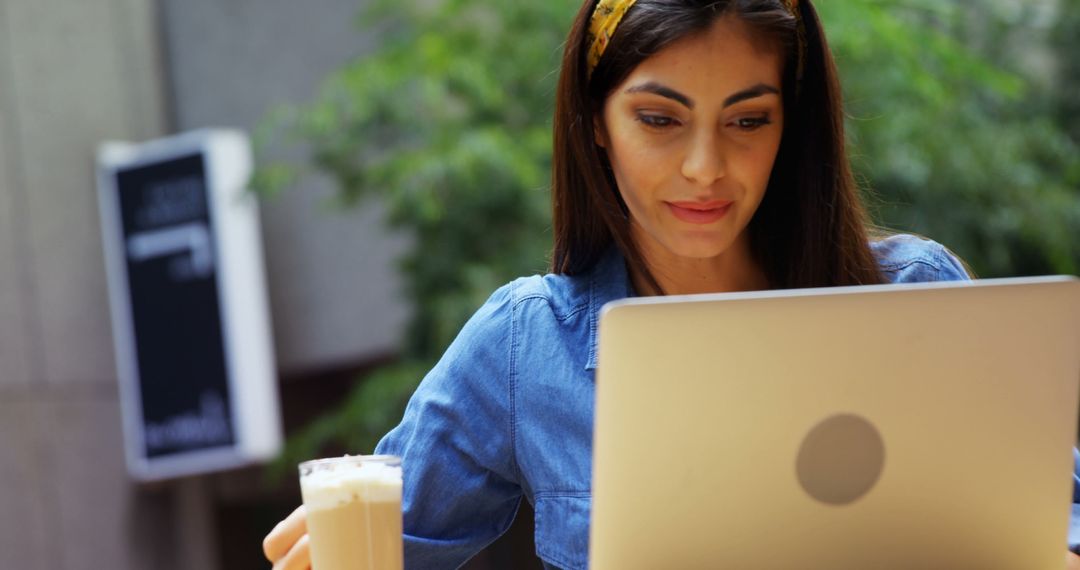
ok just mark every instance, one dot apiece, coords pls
pixel 704 161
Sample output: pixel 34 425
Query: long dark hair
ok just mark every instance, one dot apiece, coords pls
pixel 810 229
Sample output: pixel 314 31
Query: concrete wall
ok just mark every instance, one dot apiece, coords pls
pixel 333 288
pixel 74 73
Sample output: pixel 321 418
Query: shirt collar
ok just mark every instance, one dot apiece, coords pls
pixel 608 282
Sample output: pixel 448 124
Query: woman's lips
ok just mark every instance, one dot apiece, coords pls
pixel 699 212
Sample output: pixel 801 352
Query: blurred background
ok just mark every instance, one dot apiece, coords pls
pixel 404 153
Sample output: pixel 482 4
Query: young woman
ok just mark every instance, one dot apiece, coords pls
pixel 699 147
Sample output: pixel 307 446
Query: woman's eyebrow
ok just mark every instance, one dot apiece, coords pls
pixel 662 90
pixel 751 93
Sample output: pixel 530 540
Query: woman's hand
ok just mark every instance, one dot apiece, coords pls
pixel 286 547
pixel 1072 561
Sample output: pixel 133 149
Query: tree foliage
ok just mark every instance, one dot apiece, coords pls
pixel 950 135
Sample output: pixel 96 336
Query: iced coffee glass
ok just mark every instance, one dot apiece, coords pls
pixel 353 512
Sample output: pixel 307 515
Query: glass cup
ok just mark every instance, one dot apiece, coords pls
pixel 353 512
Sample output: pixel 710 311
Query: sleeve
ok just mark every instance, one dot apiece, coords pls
pixel 949 266
pixel 911 259
pixel 460 484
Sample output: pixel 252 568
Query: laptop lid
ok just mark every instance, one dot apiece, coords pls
pixel 909 426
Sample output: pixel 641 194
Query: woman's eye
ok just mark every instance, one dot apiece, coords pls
pixel 752 123
pixel 656 121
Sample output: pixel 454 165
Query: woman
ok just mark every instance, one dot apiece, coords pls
pixel 699 147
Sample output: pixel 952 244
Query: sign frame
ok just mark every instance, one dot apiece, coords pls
pixel 234 245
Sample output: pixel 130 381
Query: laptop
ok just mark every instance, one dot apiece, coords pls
pixel 898 426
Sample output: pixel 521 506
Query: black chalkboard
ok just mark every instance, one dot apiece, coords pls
pixel 172 278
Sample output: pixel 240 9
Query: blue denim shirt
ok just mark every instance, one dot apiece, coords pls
pixel 507 413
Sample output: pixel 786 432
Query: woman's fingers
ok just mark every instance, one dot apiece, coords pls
pixel 285 535
pixel 299 558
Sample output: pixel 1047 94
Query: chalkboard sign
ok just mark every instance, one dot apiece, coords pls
pixel 188 303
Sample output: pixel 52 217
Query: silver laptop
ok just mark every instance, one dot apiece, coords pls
pixel 896 426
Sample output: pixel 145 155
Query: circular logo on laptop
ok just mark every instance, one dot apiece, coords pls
pixel 840 459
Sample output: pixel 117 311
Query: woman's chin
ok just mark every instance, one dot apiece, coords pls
pixel 699 246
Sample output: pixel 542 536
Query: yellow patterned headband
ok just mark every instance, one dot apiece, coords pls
pixel 602 26
pixel 605 19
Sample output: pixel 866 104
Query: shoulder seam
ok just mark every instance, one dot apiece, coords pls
pixel 933 259
pixel 908 263
pixel 512 385
pixel 561 317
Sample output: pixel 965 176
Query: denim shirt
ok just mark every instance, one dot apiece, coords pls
pixel 507 414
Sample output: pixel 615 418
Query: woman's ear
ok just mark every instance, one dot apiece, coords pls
pixel 599 134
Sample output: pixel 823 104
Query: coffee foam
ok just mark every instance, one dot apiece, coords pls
pixel 330 486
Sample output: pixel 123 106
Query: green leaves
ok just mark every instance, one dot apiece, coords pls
pixel 954 144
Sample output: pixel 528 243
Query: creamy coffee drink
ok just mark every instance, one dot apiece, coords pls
pixel 353 512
